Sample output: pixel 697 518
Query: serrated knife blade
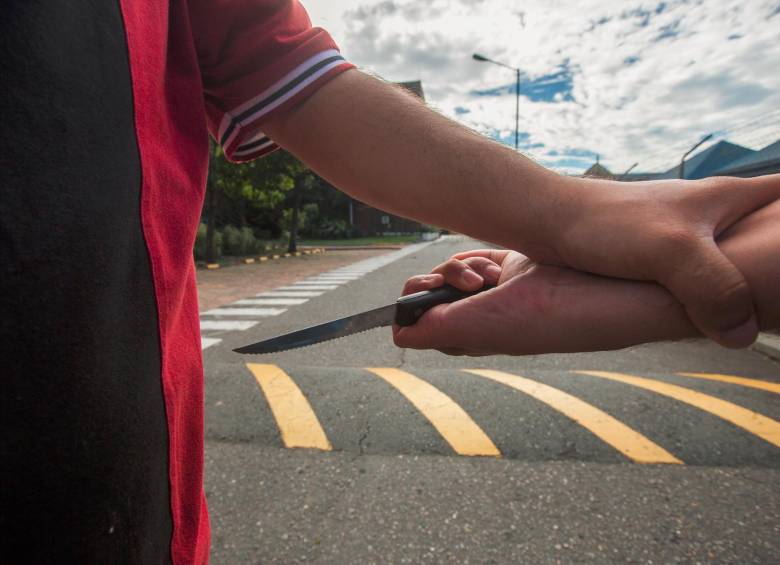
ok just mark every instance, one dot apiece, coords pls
pixel 404 312
pixel 323 332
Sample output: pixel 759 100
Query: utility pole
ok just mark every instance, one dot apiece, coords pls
pixel 483 59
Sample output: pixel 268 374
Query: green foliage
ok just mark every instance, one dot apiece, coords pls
pixel 240 241
pixel 259 197
pixel 230 240
pixel 200 243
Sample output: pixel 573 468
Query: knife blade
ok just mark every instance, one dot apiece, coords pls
pixel 405 312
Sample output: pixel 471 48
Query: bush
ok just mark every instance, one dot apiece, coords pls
pixel 240 242
pixel 200 243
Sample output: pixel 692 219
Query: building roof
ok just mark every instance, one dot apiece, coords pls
pixel 767 156
pixel 599 171
pixel 413 86
pixel 707 162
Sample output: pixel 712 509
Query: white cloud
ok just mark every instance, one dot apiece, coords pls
pixel 648 78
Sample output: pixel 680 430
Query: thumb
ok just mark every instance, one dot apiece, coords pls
pixel 715 294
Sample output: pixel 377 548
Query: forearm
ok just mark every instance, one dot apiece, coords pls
pixel 384 147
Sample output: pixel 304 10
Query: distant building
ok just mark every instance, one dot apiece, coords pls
pixel 707 163
pixel 368 220
pixel 721 159
pixel 598 171
pixel 757 163
pixel 415 87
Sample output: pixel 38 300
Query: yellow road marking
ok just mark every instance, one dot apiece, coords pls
pixel 451 421
pixel 298 424
pixel 627 441
pixel 752 383
pixel 755 423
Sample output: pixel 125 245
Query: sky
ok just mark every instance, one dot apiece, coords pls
pixel 627 81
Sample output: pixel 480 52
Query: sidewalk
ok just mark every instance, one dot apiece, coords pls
pixel 223 286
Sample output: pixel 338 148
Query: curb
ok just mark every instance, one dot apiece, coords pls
pixel 768 344
pixel 362 247
pixel 264 258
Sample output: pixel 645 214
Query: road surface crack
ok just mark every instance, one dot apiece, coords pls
pixel 362 439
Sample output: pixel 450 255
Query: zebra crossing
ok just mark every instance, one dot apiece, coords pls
pixel 246 313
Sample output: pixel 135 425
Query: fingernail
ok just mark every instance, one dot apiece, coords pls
pixel 742 335
pixel 470 277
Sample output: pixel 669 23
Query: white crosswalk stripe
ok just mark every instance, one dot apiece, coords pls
pixel 208 342
pixel 226 325
pixel 310 286
pixel 272 301
pixel 291 294
pixel 256 312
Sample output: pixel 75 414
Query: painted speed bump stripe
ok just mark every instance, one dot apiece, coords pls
pixel 297 422
pixel 450 420
pixel 755 423
pixel 752 383
pixel 627 441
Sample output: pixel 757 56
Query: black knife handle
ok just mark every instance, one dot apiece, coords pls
pixel 411 307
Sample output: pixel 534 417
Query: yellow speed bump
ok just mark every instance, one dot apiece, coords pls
pixel 755 423
pixel 449 419
pixel 297 422
pixel 627 441
pixel 752 383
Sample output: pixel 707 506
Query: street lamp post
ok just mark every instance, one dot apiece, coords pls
pixel 691 150
pixel 483 59
pixel 631 168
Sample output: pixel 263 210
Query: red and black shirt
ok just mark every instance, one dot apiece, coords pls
pixel 105 109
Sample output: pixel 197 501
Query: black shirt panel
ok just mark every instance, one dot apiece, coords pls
pixel 83 434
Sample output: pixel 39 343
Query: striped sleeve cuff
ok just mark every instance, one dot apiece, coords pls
pixel 239 129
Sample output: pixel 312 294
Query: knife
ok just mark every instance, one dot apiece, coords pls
pixel 405 312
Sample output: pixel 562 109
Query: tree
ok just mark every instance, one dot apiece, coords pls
pixel 234 190
pixel 303 182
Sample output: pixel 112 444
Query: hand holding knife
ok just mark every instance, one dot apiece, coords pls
pixel 404 312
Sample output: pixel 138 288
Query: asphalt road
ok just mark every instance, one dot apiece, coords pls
pixel 312 457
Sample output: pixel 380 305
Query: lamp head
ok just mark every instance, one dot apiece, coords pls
pixel 478 57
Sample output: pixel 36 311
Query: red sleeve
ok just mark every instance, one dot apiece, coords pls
pixel 258 58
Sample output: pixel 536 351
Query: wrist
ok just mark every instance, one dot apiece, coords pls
pixel 575 205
